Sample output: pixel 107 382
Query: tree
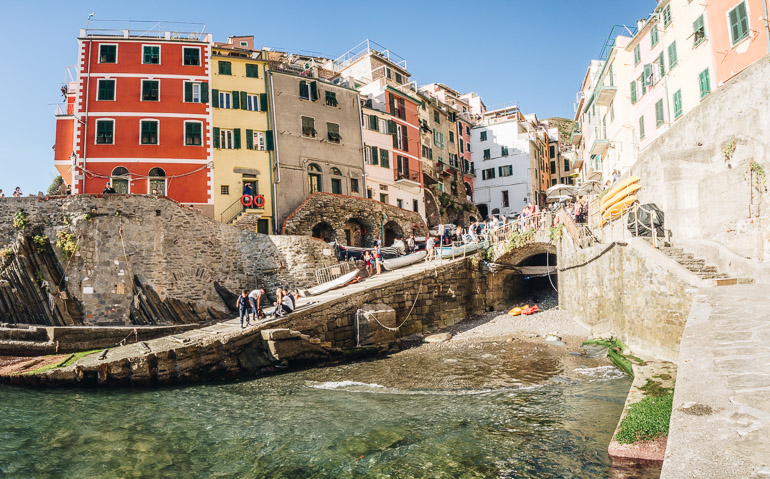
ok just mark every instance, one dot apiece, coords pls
pixel 55 185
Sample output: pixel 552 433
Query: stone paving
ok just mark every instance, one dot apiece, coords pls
pixel 720 425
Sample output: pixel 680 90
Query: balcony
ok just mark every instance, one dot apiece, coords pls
pixel 409 178
pixel 577 137
pixel 599 146
pixel 64 109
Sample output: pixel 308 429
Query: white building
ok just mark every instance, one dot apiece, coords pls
pixel 503 156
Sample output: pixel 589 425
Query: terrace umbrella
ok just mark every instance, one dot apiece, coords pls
pixel 560 190
pixel 559 198
pixel 592 187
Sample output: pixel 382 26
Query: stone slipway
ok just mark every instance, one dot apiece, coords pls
pixel 720 424
pixel 224 350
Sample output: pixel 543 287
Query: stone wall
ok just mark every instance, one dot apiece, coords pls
pixel 361 217
pixel 705 185
pixel 630 290
pixel 129 242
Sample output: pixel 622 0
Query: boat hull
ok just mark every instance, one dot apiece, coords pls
pixel 330 285
pixel 400 262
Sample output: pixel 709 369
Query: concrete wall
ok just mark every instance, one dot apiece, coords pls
pixel 631 291
pixel 704 196
pixel 177 252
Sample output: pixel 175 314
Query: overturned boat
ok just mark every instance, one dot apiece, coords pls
pixel 401 261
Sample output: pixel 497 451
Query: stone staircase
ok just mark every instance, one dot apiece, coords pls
pixel 246 221
pixel 698 266
pixel 20 340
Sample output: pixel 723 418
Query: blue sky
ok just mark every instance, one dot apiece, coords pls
pixel 534 53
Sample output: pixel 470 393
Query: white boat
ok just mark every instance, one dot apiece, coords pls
pixel 401 261
pixel 452 251
pixel 330 285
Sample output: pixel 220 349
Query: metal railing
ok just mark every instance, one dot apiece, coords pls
pixel 232 212
pixel 330 273
pixel 408 175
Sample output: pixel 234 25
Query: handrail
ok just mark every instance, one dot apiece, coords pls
pixel 231 212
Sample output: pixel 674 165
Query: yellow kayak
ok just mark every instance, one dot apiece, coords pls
pixel 620 195
pixel 618 207
pixel 617 188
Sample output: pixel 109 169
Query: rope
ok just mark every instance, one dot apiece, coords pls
pixel 122 341
pixel 359 311
pixel 548 270
pixel 136 175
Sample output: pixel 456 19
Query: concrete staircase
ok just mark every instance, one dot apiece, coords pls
pixel 21 340
pixel 698 266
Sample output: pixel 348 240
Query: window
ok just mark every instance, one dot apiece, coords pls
pixel 333 132
pixel 354 185
pixel 384 158
pixel 647 78
pixel 553 167
pixel 371 155
pixel 337 186
pixel 633 91
pixel 226 139
pixel 399 78
pixel 699 31
pixel 488 174
pixel 197 93
pixel 658 113
pixel 191 56
pixel 397 107
pixel 436 117
pixel 400 203
pixel 739 23
pixel 705 83
pixel 462 146
pixel 637 55
pixel 678 104
pixel 505 199
pixel 314 177
pixel 661 65
pixel 105 90
pixel 151 54
pixel 641 127
pixel 468 130
pixel 438 138
pixel 402 166
pixel 451 137
pixel 566 165
pixel 255 140
pixel 400 139
pixel 308 90
pixel 505 170
pixel 503 151
pixel 150 90
pixel 427 153
pixel 672 58
pixel 654 36
pixel 224 190
pixel 225 68
pixel 149 132
pixel 416 205
pixel 252 71
pixel 331 100
pixel 157 185
pixel 483 136
pixel 225 100
pixel 552 151
pixel 487 154
pixel 108 54
pixel 120 180
pixel 383 198
pixel 192 133
pixel 612 111
pixel 308 127
pixel 105 132
pixel 667 16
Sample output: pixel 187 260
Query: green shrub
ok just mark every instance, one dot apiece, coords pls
pixel 646 420
pixel 41 243
pixel 67 243
pixel 21 220
pixel 6 253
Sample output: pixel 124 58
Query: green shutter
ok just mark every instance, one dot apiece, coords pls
pixel 313 91
pixel 384 159
pixel 659 113
pixel 705 83
pixel 373 122
pixel 303 90
pixel 188 87
pixel 204 92
pixel 405 138
pixel 237 138
pixel 374 155
pixel 244 101
pixel 672 58
pixel 633 92
pixel 249 139
pixel 215 98
pixel 641 127
pixel 235 102
pixel 391 127
pixel 678 104
pixel 662 65
pixel 216 136
pixel 263 102
pixel 269 140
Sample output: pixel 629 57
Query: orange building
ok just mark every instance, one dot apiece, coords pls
pixel 137 116
pixel 739 33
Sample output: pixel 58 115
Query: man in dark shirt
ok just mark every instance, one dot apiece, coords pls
pixel 108 189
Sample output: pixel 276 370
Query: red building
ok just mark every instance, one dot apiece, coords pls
pixel 137 115
pixel 464 134
pixel 406 137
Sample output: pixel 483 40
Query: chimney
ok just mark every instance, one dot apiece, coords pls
pixel 640 24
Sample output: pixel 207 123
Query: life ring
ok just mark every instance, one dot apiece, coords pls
pixel 246 200
pixel 259 201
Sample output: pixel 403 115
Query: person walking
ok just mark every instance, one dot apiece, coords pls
pixel 255 298
pixel 368 263
pixel 410 244
pixel 429 244
pixel 377 262
pixel 242 304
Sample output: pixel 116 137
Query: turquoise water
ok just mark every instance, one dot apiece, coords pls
pixel 492 410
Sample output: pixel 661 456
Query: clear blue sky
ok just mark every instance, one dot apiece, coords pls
pixel 531 52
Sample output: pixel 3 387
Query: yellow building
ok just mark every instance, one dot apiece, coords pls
pixel 242 138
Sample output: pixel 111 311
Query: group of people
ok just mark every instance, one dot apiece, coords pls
pixel 249 305
pixel 16 193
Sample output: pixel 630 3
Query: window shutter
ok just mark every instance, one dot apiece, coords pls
pixel 237 138
pixel 188 87
pixel 216 136
pixel 204 92
pixel 263 102
pixel 215 98
pixel 395 140
pixel 244 101
pixel 391 127
pixel 375 158
pixel 303 90
pixel 313 91
pixel 269 140
pixel 405 138
pixel 392 104
pixel 249 139
pixel 384 160
pixel 373 122
pixel 235 101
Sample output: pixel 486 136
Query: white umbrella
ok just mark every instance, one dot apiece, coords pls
pixel 559 198
pixel 592 187
pixel 560 190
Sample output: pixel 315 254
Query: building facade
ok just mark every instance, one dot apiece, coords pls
pixel 138 116
pixel 318 142
pixel 242 137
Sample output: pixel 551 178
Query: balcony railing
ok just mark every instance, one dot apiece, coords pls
pixel 64 109
pixel 408 176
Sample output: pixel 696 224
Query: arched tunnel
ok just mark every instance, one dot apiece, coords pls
pixel 533 281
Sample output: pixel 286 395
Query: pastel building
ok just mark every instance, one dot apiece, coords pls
pixel 242 137
pixel 740 35
pixel 137 115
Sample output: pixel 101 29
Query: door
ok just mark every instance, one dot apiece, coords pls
pixel 120 185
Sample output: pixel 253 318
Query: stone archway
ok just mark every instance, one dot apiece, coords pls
pixel 358 232
pixel 324 231
pixel 392 232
